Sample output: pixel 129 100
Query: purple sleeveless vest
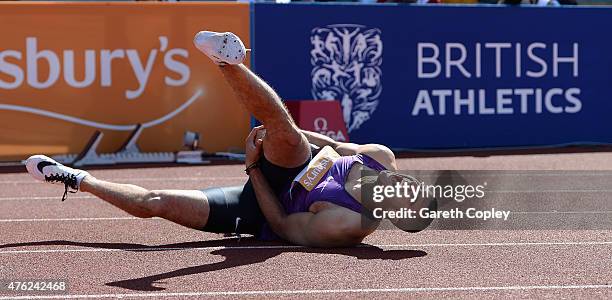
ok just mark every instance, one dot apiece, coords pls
pixel 330 188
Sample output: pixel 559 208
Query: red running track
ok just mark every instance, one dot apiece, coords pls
pixel 104 253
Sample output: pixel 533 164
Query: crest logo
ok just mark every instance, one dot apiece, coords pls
pixel 346 60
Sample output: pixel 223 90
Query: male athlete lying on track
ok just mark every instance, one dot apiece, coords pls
pixel 326 213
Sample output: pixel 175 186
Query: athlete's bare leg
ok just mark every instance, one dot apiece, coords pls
pixel 284 144
pixel 185 207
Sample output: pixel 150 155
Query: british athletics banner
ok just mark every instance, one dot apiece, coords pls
pixel 445 77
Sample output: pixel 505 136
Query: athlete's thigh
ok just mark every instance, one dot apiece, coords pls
pixel 287 148
pixel 186 207
pixel 233 210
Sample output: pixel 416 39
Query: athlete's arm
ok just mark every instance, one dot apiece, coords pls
pixel 321 140
pixel 380 153
pixel 334 227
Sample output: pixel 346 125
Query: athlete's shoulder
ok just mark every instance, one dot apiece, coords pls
pixel 381 153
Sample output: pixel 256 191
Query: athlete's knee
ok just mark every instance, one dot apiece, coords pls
pixel 289 135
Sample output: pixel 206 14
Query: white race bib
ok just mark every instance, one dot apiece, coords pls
pixel 317 167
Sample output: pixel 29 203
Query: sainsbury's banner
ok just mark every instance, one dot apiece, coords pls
pixel 68 69
pixel 441 77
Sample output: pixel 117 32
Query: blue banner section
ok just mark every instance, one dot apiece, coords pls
pixel 445 77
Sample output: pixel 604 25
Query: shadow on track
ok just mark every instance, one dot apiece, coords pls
pixel 233 252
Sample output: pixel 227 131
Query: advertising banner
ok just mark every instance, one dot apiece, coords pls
pixel 69 69
pixel 323 117
pixel 445 77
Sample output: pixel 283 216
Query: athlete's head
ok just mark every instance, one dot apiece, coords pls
pixel 396 192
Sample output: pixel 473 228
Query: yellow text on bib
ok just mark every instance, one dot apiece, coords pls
pixel 318 166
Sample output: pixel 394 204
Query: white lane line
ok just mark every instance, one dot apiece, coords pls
pixel 284 247
pixel 203 177
pixel 574 191
pixel 146 249
pixel 140 179
pixel 493 191
pixel 319 291
pixel 549 191
pixel 135 218
pixel 44 198
pixel 508 244
pixel 74 219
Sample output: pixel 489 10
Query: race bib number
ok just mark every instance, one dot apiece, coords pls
pixel 318 166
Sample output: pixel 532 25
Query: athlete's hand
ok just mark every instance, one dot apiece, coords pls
pixel 253 145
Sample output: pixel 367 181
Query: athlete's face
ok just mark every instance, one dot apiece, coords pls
pixel 390 178
pixel 393 179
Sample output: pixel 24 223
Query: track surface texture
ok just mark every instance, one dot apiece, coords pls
pixel 105 253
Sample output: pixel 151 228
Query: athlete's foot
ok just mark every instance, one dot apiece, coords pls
pixel 222 48
pixel 46 169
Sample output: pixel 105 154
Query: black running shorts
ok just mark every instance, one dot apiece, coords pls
pixel 235 209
